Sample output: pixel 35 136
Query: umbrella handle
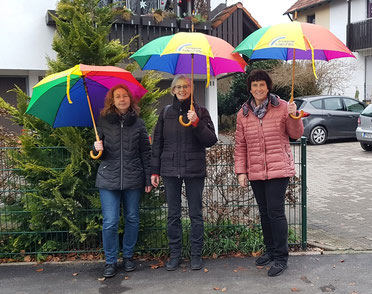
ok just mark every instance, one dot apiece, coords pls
pixel 180 119
pixel 299 116
pixel 95 156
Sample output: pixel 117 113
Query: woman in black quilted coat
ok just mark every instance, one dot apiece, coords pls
pixel 178 155
pixel 123 174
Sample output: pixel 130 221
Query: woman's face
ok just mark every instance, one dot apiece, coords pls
pixel 121 100
pixel 182 89
pixel 259 91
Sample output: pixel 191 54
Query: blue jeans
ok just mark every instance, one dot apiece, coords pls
pixel 110 202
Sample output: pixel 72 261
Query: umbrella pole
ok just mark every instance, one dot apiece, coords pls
pixel 292 90
pixel 94 122
pixel 180 118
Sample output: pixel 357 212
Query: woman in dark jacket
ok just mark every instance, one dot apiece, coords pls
pixel 178 156
pixel 123 173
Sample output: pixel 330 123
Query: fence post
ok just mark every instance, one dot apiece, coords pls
pixel 303 193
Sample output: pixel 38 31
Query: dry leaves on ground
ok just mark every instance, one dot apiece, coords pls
pixel 157 265
pixel 39 270
pixel 257 253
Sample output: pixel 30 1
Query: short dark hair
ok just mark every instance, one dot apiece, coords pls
pixel 259 75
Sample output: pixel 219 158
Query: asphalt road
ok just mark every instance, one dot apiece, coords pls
pixel 339 178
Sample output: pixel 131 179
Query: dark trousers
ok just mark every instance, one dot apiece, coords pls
pixel 194 192
pixel 270 196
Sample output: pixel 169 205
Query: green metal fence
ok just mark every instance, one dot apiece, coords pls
pixel 227 208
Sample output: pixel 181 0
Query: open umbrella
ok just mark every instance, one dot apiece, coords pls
pixel 74 97
pixel 291 41
pixel 189 53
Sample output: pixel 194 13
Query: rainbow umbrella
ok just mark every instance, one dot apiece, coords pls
pixel 189 53
pixel 74 97
pixel 291 41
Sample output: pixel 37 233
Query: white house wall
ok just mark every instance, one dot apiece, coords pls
pixel 26 40
pixel 337 25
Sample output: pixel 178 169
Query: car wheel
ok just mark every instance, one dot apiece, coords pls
pixel 366 147
pixel 318 135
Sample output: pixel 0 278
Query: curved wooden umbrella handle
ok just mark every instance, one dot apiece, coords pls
pixel 95 156
pixel 180 119
pixel 93 121
pixel 299 116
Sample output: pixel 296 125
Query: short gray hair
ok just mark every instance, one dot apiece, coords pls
pixel 179 77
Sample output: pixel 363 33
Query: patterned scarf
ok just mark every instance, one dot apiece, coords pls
pixel 261 109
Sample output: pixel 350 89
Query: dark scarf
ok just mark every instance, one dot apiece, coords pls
pixel 127 118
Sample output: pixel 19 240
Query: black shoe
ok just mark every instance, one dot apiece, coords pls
pixel 173 263
pixel 110 270
pixel 129 265
pixel 264 259
pixel 277 269
pixel 196 262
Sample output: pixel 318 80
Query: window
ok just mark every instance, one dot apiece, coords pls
pixel 353 105
pixel 368 111
pixel 311 18
pixel 333 104
pixel 317 104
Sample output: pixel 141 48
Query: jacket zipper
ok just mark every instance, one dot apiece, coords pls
pixel 263 147
pixel 179 146
pixel 121 154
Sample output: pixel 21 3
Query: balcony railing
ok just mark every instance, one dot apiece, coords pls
pixel 359 35
pixel 148 29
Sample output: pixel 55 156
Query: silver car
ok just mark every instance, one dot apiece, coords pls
pixel 364 130
pixel 329 117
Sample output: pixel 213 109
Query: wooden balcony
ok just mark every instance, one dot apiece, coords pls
pixel 359 35
pixel 148 29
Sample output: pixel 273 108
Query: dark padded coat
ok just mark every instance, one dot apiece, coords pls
pixel 179 151
pixel 127 152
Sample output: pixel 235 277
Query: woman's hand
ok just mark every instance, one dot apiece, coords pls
pixel 155 180
pixel 98 145
pixel 292 108
pixel 243 180
pixel 148 189
pixel 192 116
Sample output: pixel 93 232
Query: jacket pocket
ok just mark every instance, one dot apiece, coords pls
pixel 166 162
pixel 195 162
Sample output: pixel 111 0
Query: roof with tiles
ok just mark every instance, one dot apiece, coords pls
pixel 225 13
pixel 303 4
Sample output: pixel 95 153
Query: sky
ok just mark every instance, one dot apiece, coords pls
pixel 266 12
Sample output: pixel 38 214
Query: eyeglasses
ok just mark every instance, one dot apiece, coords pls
pixel 185 87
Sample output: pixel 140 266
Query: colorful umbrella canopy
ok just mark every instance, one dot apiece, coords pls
pixel 291 41
pixel 74 97
pixel 61 100
pixel 278 41
pixel 189 53
pixel 172 54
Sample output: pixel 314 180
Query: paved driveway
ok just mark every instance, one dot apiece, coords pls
pixel 340 196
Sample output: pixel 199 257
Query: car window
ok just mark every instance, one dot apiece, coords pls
pixel 317 104
pixel 298 103
pixel 333 104
pixel 353 105
pixel 368 111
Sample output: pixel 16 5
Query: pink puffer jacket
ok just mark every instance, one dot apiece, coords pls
pixel 262 149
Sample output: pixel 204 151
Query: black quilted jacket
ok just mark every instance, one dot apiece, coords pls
pixel 127 152
pixel 179 151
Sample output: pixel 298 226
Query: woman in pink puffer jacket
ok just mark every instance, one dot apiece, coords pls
pixel 263 156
